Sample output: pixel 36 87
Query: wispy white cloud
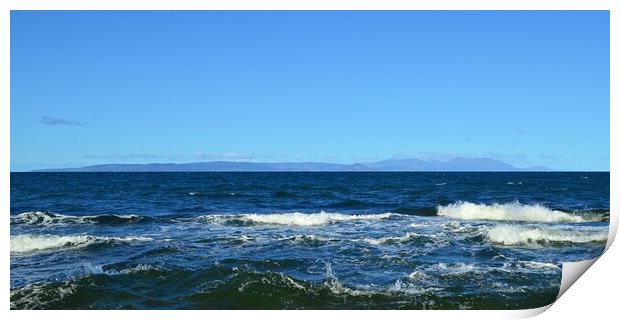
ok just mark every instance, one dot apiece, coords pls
pixel 52 121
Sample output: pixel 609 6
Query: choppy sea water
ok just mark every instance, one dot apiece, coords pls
pixel 300 240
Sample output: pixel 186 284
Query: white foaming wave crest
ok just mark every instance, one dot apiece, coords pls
pixel 385 240
pixel 511 235
pixel 411 288
pixel 47 218
pixel 297 218
pixel 335 286
pixel 458 227
pixel 418 225
pixel 511 211
pixel 35 295
pixel 31 242
pixel 97 269
pixel 33 217
pixel 455 268
pixel 538 265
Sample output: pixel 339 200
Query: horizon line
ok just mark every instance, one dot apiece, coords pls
pixel 318 171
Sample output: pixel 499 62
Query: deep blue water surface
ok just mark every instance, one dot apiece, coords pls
pixel 300 240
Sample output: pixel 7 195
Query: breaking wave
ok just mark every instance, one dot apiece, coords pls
pixel 510 211
pixel 48 218
pixel 294 218
pixel 511 235
pixel 30 242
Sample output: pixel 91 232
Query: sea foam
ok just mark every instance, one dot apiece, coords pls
pixel 390 240
pixel 297 218
pixel 48 218
pixel 511 211
pixel 511 235
pixel 31 242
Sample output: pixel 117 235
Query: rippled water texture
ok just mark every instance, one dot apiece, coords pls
pixel 300 240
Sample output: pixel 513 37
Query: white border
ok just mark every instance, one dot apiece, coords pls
pixel 598 300
pixel 308 5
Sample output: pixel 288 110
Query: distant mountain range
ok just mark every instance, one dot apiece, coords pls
pixel 456 164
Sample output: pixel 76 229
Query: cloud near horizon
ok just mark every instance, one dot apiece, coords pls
pixel 52 121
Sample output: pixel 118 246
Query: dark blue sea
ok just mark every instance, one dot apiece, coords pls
pixel 287 240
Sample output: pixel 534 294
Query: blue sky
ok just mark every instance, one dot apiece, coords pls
pixel 529 88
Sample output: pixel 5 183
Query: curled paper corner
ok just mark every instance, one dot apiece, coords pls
pixel 571 271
